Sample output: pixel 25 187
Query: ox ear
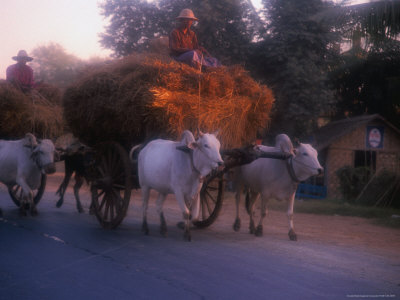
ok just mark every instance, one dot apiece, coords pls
pixel 201 133
pixel 216 132
pixel 193 145
pixel 286 145
pixel 30 141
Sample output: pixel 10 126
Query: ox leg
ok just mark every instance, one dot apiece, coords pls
pixel 33 208
pixel 263 211
pixel 292 234
pixel 252 198
pixel 145 196
pixel 63 187
pixel 27 197
pixel 1 213
pixel 186 214
pixel 195 209
pixel 159 205
pixel 78 184
pixel 236 225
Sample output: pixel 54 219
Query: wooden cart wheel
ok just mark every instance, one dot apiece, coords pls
pixel 16 192
pixel 211 197
pixel 111 189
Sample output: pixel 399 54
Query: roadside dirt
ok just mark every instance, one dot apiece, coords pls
pixel 329 230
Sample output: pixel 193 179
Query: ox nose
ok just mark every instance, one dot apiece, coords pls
pixel 50 168
pixel 320 171
pixel 220 163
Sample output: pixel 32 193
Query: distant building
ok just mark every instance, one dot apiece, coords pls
pixel 367 140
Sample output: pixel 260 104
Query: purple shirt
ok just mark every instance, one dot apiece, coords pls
pixel 21 75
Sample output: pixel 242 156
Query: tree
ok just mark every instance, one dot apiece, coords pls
pixel 52 64
pixel 294 58
pixel 368 78
pixel 375 21
pixel 370 83
pixel 226 27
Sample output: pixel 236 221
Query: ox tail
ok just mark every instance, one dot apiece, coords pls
pixel 132 157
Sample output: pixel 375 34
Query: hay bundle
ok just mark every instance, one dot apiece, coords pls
pixel 142 96
pixel 21 113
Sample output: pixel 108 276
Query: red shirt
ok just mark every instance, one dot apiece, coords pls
pixel 20 74
pixel 179 41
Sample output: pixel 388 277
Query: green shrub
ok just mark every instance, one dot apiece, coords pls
pixel 352 181
pixel 383 190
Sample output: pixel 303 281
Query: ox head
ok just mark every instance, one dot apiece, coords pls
pixel 42 153
pixel 305 162
pixel 206 154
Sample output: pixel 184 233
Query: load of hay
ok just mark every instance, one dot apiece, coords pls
pixel 144 96
pixel 38 112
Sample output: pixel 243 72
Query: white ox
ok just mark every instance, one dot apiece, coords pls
pixel 166 169
pixel 274 178
pixel 22 162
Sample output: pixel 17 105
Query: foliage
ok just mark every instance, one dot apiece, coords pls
pixel 352 180
pixel 374 21
pixel 369 82
pixel 225 27
pixel 382 190
pixel 52 64
pixel 294 58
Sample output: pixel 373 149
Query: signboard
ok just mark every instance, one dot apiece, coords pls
pixel 374 138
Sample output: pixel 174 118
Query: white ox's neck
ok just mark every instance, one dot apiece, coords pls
pixel 201 163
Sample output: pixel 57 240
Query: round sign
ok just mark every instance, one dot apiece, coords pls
pixel 374 138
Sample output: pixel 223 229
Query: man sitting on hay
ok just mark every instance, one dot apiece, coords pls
pixel 183 44
pixel 20 74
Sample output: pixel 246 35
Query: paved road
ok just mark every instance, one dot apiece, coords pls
pixel 62 254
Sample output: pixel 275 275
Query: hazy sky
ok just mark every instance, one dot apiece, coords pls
pixel 26 24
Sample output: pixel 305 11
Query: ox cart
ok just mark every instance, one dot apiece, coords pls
pixel 140 97
pixel 113 175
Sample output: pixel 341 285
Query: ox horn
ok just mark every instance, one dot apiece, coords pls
pixel 30 140
pixel 200 132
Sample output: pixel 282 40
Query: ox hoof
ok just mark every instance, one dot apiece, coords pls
pixel 259 231
pixel 187 236
pixel 34 212
pixel 163 231
pixel 236 225
pixel 180 225
pixel 59 203
pixel 1 213
pixel 252 228
pixel 22 211
pixel 292 235
pixel 80 209
pixel 145 228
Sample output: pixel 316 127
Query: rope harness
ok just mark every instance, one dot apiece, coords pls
pixel 289 166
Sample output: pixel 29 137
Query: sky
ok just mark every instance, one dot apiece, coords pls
pixel 27 24
pixel 74 24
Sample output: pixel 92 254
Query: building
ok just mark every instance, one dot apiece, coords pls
pixel 367 140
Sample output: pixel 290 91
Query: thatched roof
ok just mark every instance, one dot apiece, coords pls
pixel 329 133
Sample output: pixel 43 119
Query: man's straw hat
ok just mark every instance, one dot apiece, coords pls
pixel 187 14
pixel 22 55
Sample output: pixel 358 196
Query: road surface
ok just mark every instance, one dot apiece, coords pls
pixel 61 254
